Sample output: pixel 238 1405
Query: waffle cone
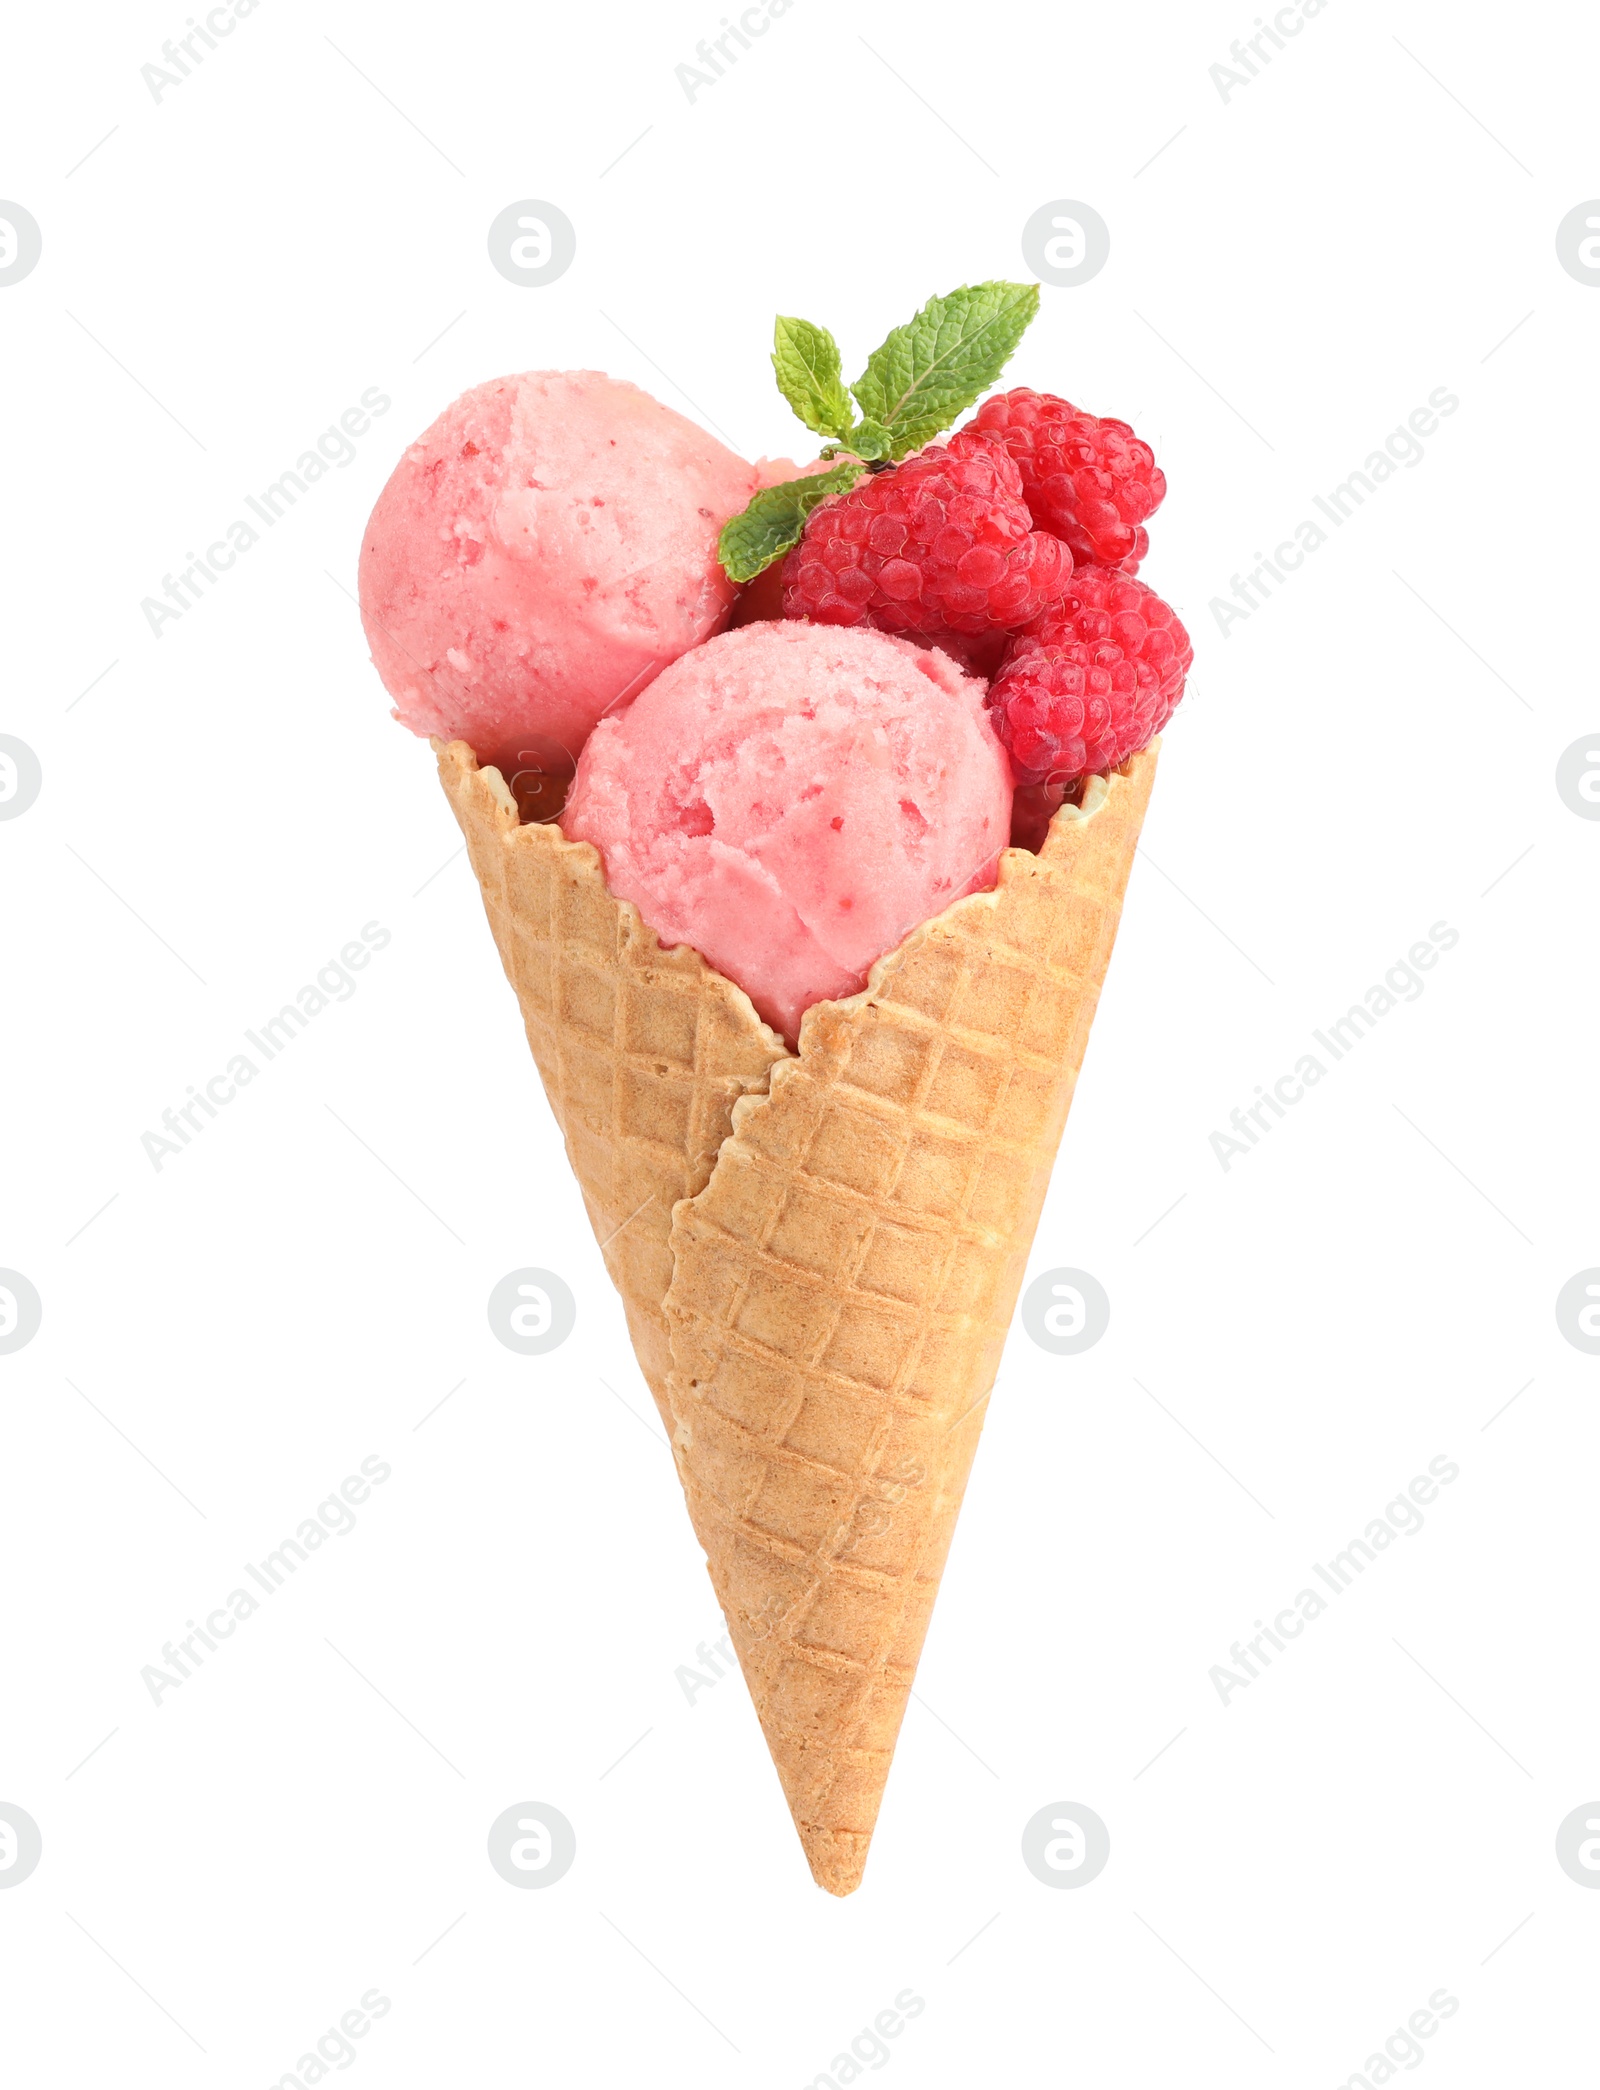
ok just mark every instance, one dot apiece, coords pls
pixel 819 1253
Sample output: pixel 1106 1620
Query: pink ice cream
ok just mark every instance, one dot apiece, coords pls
pixel 793 800
pixel 542 552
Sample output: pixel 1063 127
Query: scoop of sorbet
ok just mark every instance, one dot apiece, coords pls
pixel 793 800
pixel 538 555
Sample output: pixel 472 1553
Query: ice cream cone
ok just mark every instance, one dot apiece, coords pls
pixel 819 1252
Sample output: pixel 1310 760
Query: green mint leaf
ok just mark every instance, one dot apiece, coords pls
pixel 774 520
pixel 806 360
pixel 935 368
pixel 870 441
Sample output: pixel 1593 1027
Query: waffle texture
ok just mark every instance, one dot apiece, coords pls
pixel 643 1052
pixel 823 1314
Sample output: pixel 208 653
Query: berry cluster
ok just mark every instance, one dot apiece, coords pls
pixel 1013 546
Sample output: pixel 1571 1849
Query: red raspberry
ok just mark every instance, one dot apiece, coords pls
pixel 980 653
pixel 1090 481
pixel 1091 681
pixel 943 541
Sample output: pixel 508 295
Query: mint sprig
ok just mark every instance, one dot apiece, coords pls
pixel 914 385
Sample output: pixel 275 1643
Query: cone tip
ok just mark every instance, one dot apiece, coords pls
pixel 837 1857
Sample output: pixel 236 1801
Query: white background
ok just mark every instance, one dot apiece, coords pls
pixel 1292 1339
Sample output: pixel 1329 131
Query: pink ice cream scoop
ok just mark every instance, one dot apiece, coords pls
pixel 542 552
pixel 793 800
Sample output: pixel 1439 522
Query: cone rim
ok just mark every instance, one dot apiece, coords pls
pixel 1065 820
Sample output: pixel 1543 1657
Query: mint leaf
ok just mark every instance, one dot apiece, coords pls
pixel 870 441
pixel 774 520
pixel 934 368
pixel 806 359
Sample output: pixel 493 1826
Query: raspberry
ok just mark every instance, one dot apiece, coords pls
pixel 980 653
pixel 1091 681
pixel 1090 481
pixel 943 541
